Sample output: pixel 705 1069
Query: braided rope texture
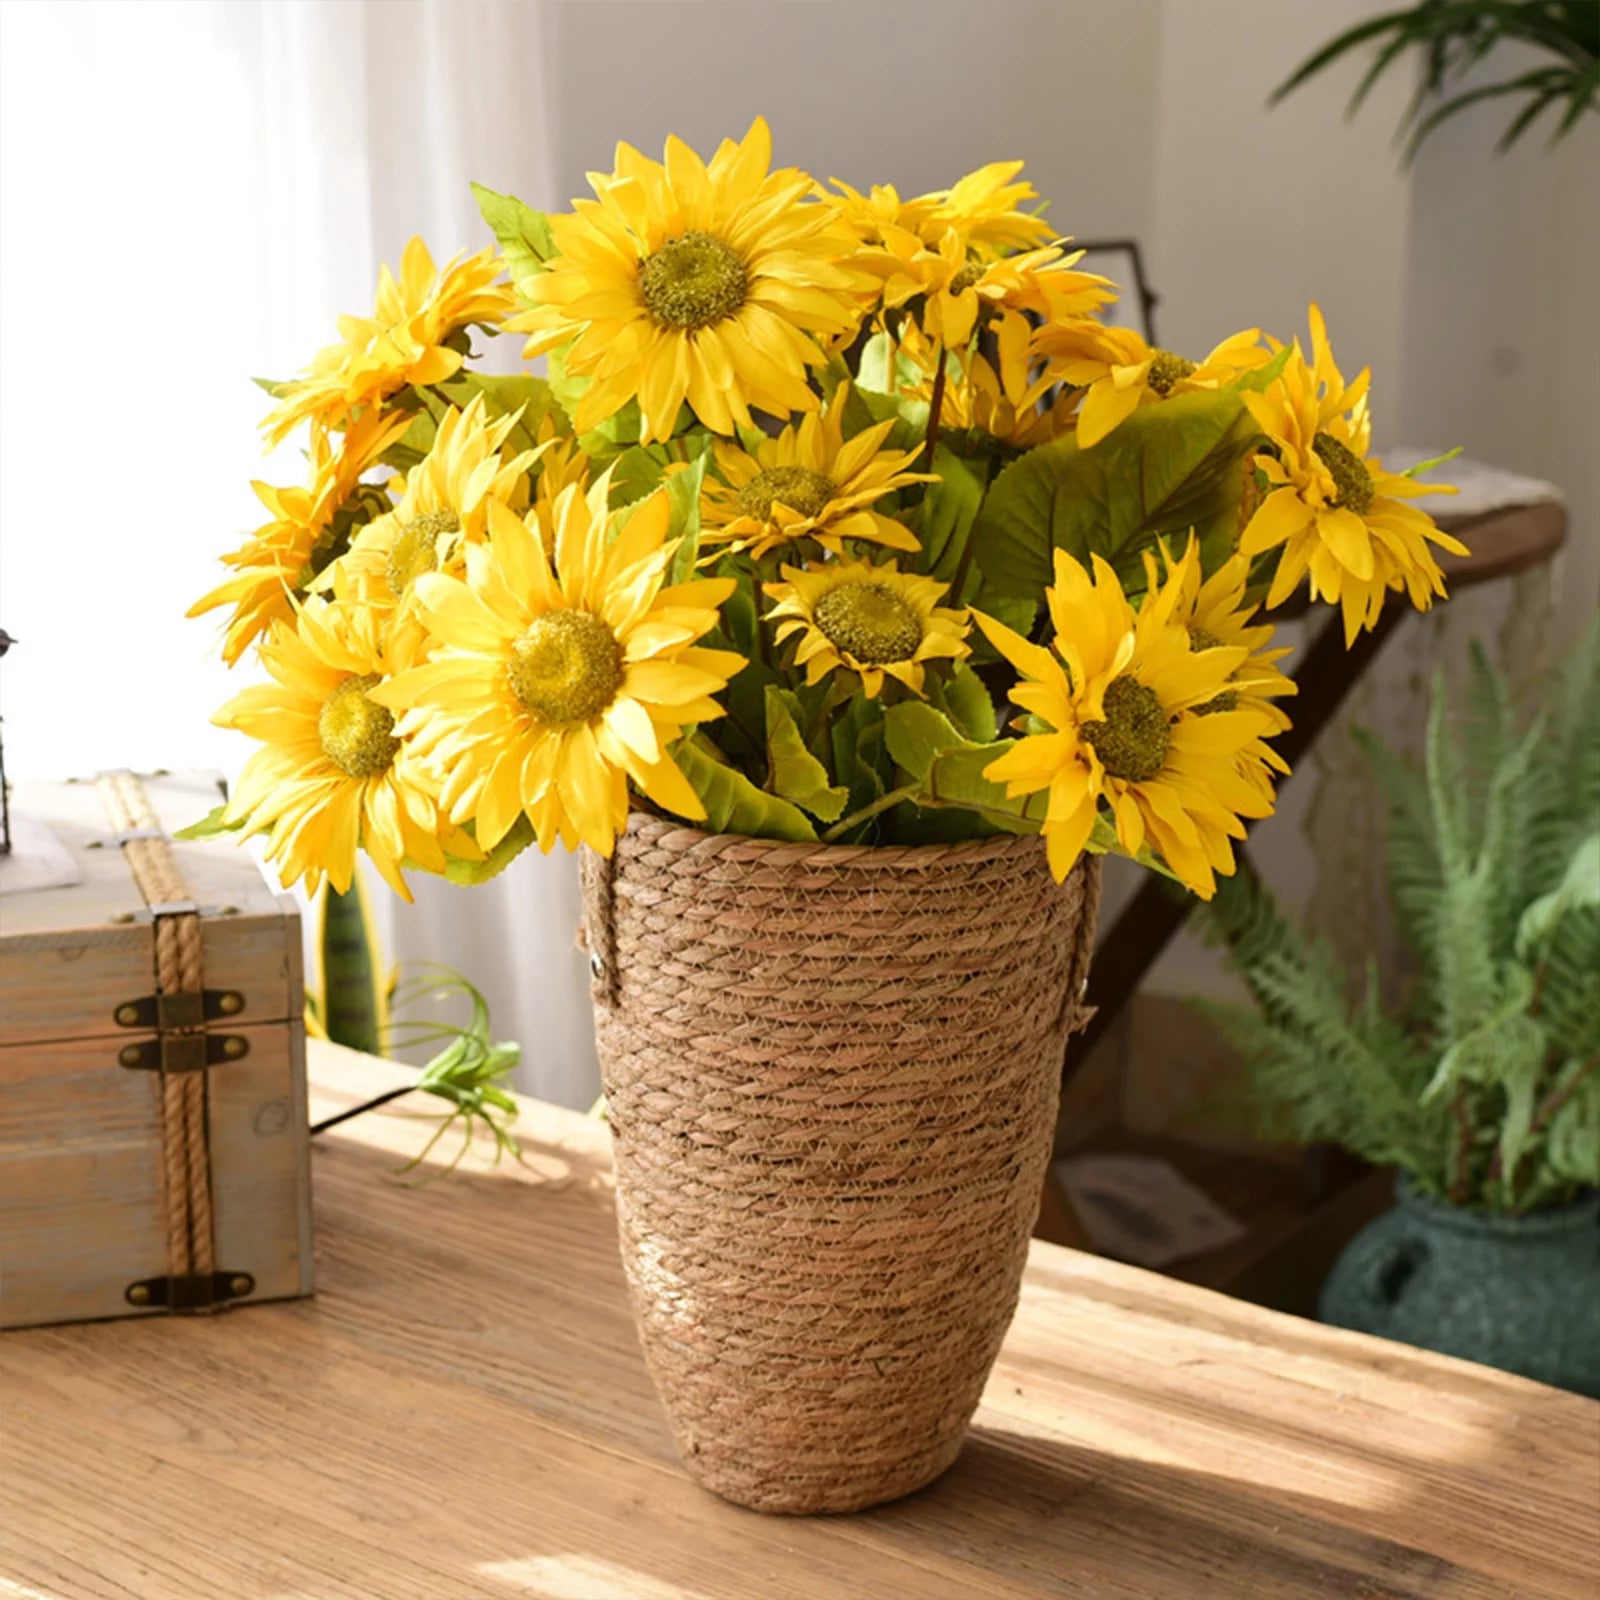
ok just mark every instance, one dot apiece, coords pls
pixel 832 1075
pixel 179 951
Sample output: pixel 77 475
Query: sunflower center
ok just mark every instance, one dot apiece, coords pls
pixel 416 547
pixel 1167 369
pixel 965 278
pixel 692 281
pixel 1348 471
pixel 1228 700
pixel 566 668
pixel 357 736
pixel 799 488
pixel 869 620
pixel 1132 739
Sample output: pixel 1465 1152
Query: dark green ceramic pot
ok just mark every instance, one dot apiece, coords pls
pixel 1519 1293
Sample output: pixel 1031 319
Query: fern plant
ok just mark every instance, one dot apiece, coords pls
pixel 1485 1088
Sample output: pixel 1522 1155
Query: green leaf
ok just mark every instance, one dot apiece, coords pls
pixel 1430 463
pixel 1259 379
pixel 967 701
pixel 796 774
pixel 860 759
pixel 947 514
pixel 515 842
pixel 733 803
pixel 524 233
pixel 636 472
pixel 210 826
pixel 1169 468
pixel 917 736
pixel 683 529
pixel 276 387
pixel 502 395
pixel 948 767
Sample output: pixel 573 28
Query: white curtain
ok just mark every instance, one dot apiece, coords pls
pixel 190 193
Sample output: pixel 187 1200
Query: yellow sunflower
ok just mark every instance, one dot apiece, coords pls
pixel 1336 513
pixel 808 483
pixel 1215 611
pixel 561 465
pixel 1008 398
pixel 868 215
pixel 407 339
pixel 1127 707
pixel 308 529
pixel 445 507
pixel 983 208
pixel 547 690
pixel 688 281
pixel 332 776
pixel 873 621
pixel 1120 372
pixel 956 287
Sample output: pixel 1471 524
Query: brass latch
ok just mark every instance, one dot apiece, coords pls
pixel 169 1012
pixel 193 1291
pixel 184 1052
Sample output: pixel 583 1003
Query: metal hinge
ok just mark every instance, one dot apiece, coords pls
pixel 193 1291
pixel 172 908
pixel 169 1012
pixel 184 1052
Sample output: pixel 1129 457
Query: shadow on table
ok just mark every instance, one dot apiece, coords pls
pixel 534 1322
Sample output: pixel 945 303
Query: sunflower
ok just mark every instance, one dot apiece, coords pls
pixel 955 287
pixel 1008 397
pixel 687 281
pixel 873 621
pixel 409 339
pixel 332 775
pixel 562 464
pixel 881 208
pixel 983 208
pixel 309 529
pixel 808 483
pixel 1121 372
pixel 1126 703
pixel 445 507
pixel 1215 611
pixel 1336 513
pixel 546 690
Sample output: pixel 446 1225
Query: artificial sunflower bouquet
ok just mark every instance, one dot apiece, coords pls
pixel 835 516
pixel 843 548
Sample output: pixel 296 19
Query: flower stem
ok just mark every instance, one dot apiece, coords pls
pixel 882 803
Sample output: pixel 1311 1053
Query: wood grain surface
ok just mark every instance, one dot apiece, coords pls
pixel 462 1414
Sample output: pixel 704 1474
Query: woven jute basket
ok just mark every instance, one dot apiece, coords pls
pixel 832 1076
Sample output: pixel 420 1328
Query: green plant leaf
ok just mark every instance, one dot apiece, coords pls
pixel 210 826
pixel 636 472
pixel 523 233
pixel 967 701
pixel 947 768
pixel 276 387
pixel 795 773
pixel 502 395
pixel 683 530
pixel 946 515
pixel 517 840
pixel 1169 468
pixel 1432 462
pixel 733 803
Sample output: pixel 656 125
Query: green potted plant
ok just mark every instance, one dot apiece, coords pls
pixel 1483 1086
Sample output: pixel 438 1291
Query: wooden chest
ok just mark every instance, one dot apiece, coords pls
pixel 153 1140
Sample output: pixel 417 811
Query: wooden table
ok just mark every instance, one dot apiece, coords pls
pixel 462 1414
